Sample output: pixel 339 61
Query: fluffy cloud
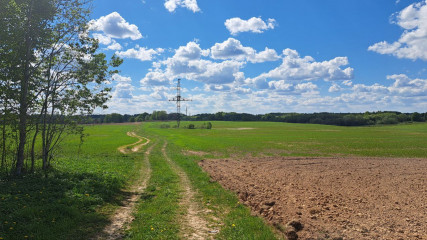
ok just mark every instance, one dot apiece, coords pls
pixel 233 49
pixel 284 87
pixel 141 53
pixel 155 78
pixel 334 88
pixel 256 25
pixel 115 46
pixel 172 5
pixel 118 78
pixel 401 94
pixel 413 42
pixel 294 67
pixel 188 63
pixel 191 51
pixel 106 40
pixel 115 26
pixel 402 87
pixel 123 89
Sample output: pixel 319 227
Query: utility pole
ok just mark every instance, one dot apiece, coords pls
pixel 178 99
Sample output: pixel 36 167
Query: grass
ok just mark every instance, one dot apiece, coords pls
pixel 286 139
pixel 85 187
pixel 74 201
pixel 156 215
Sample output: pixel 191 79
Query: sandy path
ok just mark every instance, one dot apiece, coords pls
pixel 135 146
pixel 123 215
pixel 194 224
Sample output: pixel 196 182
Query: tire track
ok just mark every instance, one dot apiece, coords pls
pixel 123 216
pixel 135 146
pixel 194 225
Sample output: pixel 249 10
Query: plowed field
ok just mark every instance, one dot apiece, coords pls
pixel 349 198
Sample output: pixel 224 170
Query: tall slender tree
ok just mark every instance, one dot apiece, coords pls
pixel 53 66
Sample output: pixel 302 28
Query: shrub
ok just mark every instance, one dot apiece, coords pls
pixel 209 125
pixel 164 125
pixel 191 126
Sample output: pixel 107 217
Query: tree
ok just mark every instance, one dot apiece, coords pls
pixel 54 68
pixel 417 117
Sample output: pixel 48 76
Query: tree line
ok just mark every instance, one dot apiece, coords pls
pixel 50 72
pixel 339 119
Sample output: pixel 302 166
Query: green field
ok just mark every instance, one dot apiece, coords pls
pixel 77 198
pixel 285 139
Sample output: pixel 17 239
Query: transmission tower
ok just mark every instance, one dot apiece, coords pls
pixel 178 99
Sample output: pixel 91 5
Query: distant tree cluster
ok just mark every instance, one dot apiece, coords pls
pixel 339 119
pixel 119 118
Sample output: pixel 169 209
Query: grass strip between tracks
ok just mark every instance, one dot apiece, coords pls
pixel 156 216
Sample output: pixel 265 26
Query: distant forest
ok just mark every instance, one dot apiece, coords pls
pixel 339 119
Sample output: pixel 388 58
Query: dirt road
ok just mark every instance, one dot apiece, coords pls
pixel 351 198
pixel 134 147
pixel 194 224
pixel 123 215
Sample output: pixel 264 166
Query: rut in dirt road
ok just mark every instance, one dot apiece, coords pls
pixel 195 225
pixel 135 146
pixel 123 215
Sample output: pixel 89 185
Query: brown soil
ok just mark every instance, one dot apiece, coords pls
pixel 134 147
pixel 195 224
pixel 123 215
pixel 351 198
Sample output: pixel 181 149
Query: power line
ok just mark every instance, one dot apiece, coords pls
pixel 178 99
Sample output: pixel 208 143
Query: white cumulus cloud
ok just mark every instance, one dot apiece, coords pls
pixel 413 41
pixel 254 24
pixel 156 78
pixel 233 49
pixel 188 63
pixel 172 5
pixel 115 46
pixel 305 68
pixel 115 26
pixel 141 53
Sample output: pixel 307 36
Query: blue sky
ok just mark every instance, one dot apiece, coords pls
pixel 266 56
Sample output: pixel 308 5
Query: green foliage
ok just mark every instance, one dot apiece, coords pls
pixel 73 201
pixel 164 125
pixel 207 125
pixel 51 71
pixel 417 117
pixel 191 126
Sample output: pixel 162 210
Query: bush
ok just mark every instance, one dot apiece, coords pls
pixel 164 125
pixel 191 126
pixel 209 125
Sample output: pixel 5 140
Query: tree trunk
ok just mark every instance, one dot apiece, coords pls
pixel 3 152
pixel 23 108
pixel 33 146
pixel 23 98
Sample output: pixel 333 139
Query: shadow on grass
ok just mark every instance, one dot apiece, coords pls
pixel 61 206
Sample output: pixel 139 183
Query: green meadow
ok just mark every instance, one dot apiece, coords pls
pixel 227 139
pixel 86 185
